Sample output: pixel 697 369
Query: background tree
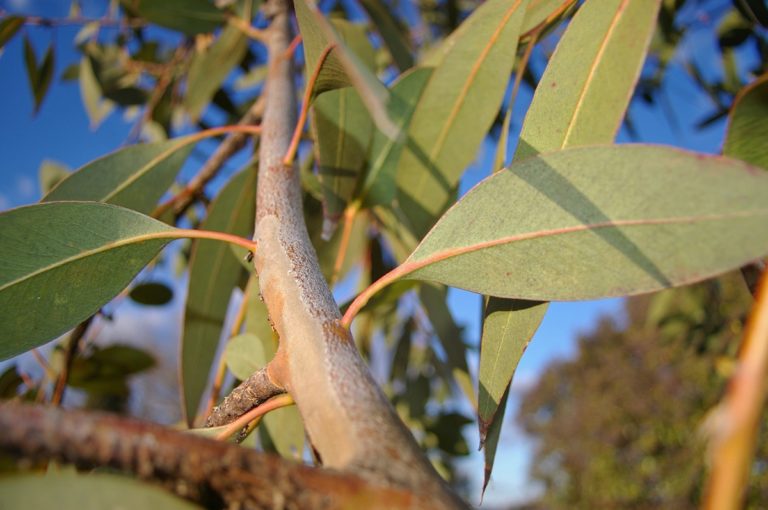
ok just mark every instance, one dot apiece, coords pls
pixel 623 424
pixel 385 166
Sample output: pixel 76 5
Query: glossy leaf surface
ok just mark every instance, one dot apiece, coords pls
pixel 63 261
pixel 597 222
pixel 213 274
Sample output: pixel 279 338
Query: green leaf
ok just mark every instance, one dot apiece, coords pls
pixel 211 67
pixel 8 28
pixel 135 177
pixel 187 16
pixel 106 371
pixel 581 99
pixel 96 107
pixel 94 491
pixel 341 68
pixel 491 440
pixel 60 262
pixel 213 274
pixel 50 174
pixel 584 92
pixel 10 380
pixel 596 222
pixel 39 77
pixel 456 109
pixel 391 32
pixel 151 294
pixel 342 131
pixel 379 186
pixel 244 355
pixel 747 129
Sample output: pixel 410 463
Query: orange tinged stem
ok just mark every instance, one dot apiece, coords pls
pixel 257 412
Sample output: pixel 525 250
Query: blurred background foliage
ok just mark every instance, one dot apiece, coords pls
pixel 617 427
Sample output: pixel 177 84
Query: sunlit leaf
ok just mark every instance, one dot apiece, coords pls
pixel 94 491
pixel 63 261
pixel 39 77
pixel 244 355
pixel 50 174
pixel 211 67
pixel 581 99
pixel 597 222
pixel 213 274
pixel 747 128
pixel 134 177
pixel 151 294
pixel 95 105
pixel 188 16
pixel 582 96
pixel 456 109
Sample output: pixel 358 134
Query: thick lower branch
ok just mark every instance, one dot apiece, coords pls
pixel 212 473
pixel 250 393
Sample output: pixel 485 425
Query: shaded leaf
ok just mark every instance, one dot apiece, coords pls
pixel 491 442
pixel 10 380
pixel 459 103
pixel 747 130
pixel 597 222
pixel 50 174
pixel 63 261
pixel 39 77
pixel 391 32
pixel 135 177
pixel 341 68
pixel 96 107
pixel 187 16
pixel 342 130
pixel 211 67
pixel 9 25
pixel 379 186
pixel 105 371
pixel 582 96
pixel 213 274
pixel 68 490
pixel 151 294
pixel 244 355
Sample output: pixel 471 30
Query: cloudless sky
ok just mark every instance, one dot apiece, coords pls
pixel 61 132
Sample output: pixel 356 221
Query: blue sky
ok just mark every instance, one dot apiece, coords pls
pixel 61 132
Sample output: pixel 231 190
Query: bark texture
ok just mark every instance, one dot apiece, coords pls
pixel 351 424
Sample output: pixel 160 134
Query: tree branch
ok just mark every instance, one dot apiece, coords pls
pixel 251 393
pixel 349 421
pixel 212 473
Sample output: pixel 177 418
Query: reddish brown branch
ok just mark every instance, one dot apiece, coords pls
pixel 69 355
pixel 212 473
pixel 251 393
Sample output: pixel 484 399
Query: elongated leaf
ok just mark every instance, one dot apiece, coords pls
pixel 747 128
pixel 211 67
pixel 582 96
pixel 213 274
pixel 394 36
pixel 134 177
pixel 96 107
pixel 379 186
pixel 187 16
pixel 342 131
pixel 585 91
pixel 341 68
pixel 8 28
pixel 95 491
pixel 39 77
pixel 597 222
pixel 60 262
pixel 456 109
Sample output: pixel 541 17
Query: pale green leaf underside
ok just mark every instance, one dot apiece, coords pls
pixel 593 222
pixel 61 261
pixel 95 491
pixel 135 177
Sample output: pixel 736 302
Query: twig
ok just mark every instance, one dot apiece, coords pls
pixel 69 355
pixel 257 412
pixel 735 424
pixel 251 393
pixel 215 474
pixel 246 28
pixel 77 20
pixel 350 213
